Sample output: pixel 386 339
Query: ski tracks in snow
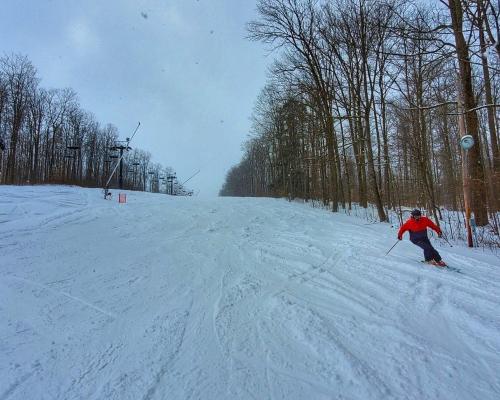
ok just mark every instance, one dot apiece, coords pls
pixel 61 293
pixel 235 298
pixel 169 347
pixel 32 212
pixel 251 312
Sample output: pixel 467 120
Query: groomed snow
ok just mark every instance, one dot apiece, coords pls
pixel 233 298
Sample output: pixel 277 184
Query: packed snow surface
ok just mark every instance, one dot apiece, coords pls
pixel 233 298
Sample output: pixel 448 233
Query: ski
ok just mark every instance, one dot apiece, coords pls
pixel 454 269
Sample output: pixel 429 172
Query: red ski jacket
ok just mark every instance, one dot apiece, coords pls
pixel 418 227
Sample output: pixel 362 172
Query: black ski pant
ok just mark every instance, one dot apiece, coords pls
pixel 430 253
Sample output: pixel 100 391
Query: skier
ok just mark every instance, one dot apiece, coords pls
pixel 417 225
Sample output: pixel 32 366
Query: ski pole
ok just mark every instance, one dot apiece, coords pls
pixel 447 241
pixel 392 247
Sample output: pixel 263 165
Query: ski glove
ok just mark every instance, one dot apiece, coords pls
pixel 400 237
pixel 440 234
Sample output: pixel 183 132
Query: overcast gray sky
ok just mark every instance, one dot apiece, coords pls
pixel 181 67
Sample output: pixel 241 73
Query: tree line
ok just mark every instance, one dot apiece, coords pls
pixel 367 100
pixel 46 137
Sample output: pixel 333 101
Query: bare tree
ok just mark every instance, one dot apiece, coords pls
pixel 475 162
pixel 49 138
pixel 19 77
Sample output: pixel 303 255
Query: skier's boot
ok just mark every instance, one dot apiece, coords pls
pixel 440 263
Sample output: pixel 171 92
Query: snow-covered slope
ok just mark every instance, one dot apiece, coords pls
pixel 183 298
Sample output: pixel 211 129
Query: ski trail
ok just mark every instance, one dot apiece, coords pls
pixel 233 299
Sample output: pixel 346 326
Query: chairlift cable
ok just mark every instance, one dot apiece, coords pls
pixel 192 176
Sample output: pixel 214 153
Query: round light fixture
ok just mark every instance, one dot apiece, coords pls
pixel 466 142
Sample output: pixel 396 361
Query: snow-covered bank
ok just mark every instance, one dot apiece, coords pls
pixel 183 298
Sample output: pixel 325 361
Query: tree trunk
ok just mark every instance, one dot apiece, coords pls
pixel 495 186
pixel 475 164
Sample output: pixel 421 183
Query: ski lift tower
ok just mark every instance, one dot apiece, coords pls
pixel 170 179
pixel 135 165
pixel 161 182
pixel 2 148
pixel 152 173
pixel 121 148
pixel 73 156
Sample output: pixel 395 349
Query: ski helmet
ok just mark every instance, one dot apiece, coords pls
pixel 416 213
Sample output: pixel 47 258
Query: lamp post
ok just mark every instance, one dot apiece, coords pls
pixel 466 143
